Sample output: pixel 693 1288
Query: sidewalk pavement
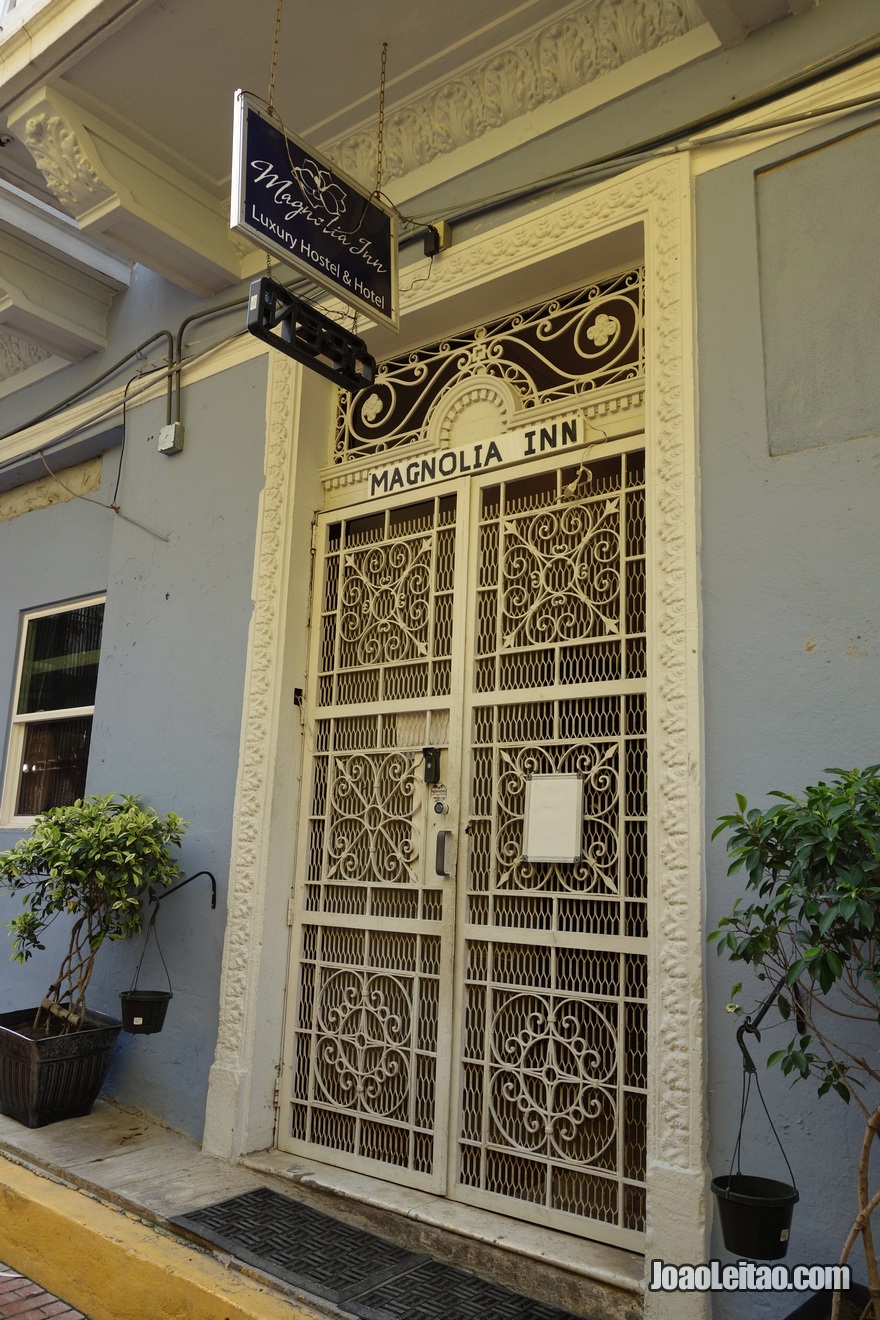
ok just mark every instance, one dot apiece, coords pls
pixel 22 1299
pixel 83 1211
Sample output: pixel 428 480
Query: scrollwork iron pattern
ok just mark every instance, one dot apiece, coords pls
pixel 552 353
pixel 366 1044
pixel 365 1028
pixel 387 609
pixel 555 1080
pixel 598 870
pixel 553 1068
pixel 561 574
pixel 384 608
pixel 372 834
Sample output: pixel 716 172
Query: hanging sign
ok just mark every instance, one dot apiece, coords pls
pixel 480 456
pixel 291 202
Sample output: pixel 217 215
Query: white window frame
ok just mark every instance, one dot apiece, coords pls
pixel 18 723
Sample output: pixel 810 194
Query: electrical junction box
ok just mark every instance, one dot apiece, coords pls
pixel 170 438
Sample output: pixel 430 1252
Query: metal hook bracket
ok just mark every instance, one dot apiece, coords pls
pixel 157 898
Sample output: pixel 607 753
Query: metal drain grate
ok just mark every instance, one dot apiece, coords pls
pixel 361 1273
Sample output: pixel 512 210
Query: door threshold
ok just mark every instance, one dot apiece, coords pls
pixel 591 1279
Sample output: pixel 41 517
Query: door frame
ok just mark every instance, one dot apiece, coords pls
pixel 645 214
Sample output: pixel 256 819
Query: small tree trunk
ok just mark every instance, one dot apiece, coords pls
pixel 862 1224
pixel 66 1001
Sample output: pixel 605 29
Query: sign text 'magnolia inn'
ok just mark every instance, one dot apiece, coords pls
pixel 444 464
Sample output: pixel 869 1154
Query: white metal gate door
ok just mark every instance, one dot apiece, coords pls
pixel 367 1072
pixel 491 1044
pixel 553 955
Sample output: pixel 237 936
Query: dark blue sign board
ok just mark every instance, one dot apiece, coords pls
pixel 294 204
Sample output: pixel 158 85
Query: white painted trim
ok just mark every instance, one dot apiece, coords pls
pixel 31 375
pixel 554 243
pixel 54 232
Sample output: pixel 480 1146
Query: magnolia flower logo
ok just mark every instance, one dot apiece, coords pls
pixel 319 188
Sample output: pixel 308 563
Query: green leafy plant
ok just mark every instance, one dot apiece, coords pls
pixel 811 919
pixel 92 860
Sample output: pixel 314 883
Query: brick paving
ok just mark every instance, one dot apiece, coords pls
pixel 20 1299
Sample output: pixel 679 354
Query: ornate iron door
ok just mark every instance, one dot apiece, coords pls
pixel 505 1065
pixel 368 1033
pixel 553 956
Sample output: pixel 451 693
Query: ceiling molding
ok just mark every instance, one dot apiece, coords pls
pixel 56 285
pixel 576 48
pixel 117 190
pixel 49 302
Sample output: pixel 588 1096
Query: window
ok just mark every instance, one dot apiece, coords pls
pixel 53 708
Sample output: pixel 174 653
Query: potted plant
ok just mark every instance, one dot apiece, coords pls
pixel 810 920
pixel 91 860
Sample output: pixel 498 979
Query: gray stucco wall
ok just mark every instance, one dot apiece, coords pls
pixel 46 556
pixel 791 606
pixel 168 704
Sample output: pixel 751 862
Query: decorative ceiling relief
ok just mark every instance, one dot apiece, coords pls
pixel 139 204
pixel 591 40
pixel 17 355
pixel 63 164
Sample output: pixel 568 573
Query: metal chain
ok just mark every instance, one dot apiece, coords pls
pixel 270 100
pixel 381 139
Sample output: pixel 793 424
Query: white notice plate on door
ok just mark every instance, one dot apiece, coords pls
pixel 554 818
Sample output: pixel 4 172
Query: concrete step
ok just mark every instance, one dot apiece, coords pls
pixel 90 1204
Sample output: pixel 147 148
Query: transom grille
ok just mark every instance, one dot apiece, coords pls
pixel 555 352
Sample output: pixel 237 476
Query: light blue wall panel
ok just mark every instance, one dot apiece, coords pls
pixel 818 262
pixel 791 656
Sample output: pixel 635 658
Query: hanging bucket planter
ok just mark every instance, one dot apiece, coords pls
pixel 143 1011
pixel 755 1215
pixel 755 1212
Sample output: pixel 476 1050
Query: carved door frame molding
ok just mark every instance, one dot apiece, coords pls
pixel 582 236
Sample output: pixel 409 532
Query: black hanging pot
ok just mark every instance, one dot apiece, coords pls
pixel 755 1212
pixel 143 1011
pixel 755 1215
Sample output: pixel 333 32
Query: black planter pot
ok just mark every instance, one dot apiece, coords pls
pixel 143 1011
pixel 818 1307
pixel 755 1215
pixel 55 1077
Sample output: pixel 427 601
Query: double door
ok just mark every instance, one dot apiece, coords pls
pixel 464 1018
